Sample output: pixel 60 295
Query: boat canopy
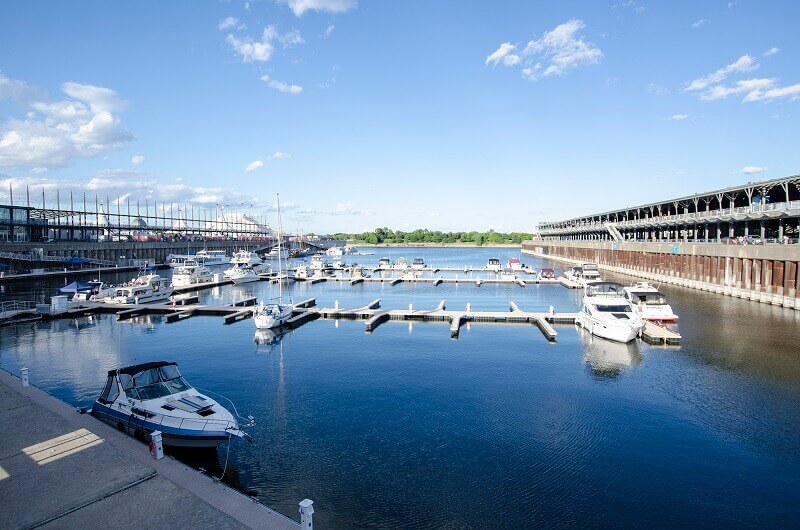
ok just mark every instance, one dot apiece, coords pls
pixel 604 288
pixel 75 287
pixel 136 368
pixel 146 381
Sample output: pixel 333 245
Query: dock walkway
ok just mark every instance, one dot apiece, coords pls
pixel 62 469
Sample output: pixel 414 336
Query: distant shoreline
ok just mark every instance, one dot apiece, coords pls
pixel 428 245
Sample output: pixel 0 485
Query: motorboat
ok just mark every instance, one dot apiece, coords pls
pixel 211 258
pixel 274 314
pixel 574 274
pixel 418 264
pixel 144 289
pixel 350 250
pixel 384 263
pixel 608 314
pixel 337 262
pixel 589 274
pixel 401 264
pixel 242 274
pixel 301 273
pixel 514 264
pixel 334 252
pixel 191 273
pixel 649 303
pixel 177 260
pixel 92 291
pixel 245 257
pixel 317 263
pixel 494 265
pixel 153 396
pixel 547 274
pixel 358 272
pixel 274 251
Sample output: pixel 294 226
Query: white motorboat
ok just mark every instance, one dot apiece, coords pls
pixel 384 264
pixel 418 264
pixel 211 258
pixel 177 260
pixel 358 272
pixel 93 291
pixel 274 314
pixel 142 290
pixel 337 263
pixel 245 257
pixel 589 274
pixel 274 251
pixel 334 252
pixel 494 265
pixel 350 250
pixel 153 396
pixel 401 264
pixel 191 273
pixel 301 273
pixel 514 264
pixel 317 263
pixel 608 314
pixel 508 275
pixel 242 274
pixel 649 303
pixel 574 274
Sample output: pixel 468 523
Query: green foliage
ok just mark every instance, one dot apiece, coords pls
pixel 422 235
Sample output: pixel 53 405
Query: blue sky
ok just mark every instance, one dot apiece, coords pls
pixel 446 115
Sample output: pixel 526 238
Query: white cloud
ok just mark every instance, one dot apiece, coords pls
pixel 749 170
pixel 331 6
pixel 679 117
pixel 252 166
pixel 278 155
pixel 292 38
pixel 771 51
pixel 701 22
pixel 746 86
pixel 247 6
pixel 21 92
pixel 56 133
pixel 281 86
pixel 792 92
pixel 745 63
pixel 558 51
pixel 137 159
pixel 329 30
pixel 503 53
pixel 230 22
pixel 251 50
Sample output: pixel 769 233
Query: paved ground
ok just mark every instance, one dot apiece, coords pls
pixel 61 469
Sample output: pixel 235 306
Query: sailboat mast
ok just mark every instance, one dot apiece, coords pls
pixel 280 236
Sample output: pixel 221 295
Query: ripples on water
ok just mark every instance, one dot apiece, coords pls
pixel 405 427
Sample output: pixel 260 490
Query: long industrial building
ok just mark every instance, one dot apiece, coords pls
pixel 741 241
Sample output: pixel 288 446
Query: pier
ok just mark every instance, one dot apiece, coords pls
pixel 62 469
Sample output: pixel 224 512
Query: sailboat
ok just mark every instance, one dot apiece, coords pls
pixel 275 314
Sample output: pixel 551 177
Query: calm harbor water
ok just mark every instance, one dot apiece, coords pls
pixel 405 427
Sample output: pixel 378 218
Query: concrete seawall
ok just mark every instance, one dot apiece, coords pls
pixel 762 273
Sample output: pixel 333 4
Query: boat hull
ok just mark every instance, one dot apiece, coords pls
pixel 606 330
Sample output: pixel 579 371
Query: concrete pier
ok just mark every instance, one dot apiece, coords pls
pixel 62 469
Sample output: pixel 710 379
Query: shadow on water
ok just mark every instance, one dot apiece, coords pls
pixel 213 463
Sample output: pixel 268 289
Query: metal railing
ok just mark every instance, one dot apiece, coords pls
pixel 12 307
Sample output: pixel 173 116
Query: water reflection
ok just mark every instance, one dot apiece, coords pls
pixel 606 358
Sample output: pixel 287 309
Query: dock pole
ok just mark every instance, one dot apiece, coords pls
pixel 306 514
pixel 23 372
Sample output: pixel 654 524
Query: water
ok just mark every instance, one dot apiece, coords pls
pixel 405 427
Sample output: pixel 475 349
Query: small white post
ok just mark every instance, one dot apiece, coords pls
pixel 336 305
pixel 469 307
pixel 551 311
pixel 24 374
pixel 410 307
pixel 306 513
pixel 156 445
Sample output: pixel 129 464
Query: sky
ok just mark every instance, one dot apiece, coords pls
pixel 445 115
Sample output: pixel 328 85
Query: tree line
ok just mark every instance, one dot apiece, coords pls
pixel 422 235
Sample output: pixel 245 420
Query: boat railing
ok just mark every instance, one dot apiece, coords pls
pixel 192 423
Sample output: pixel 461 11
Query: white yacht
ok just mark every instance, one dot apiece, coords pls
pixel 494 265
pixel 274 314
pixel 142 290
pixel 514 264
pixel 589 274
pixel 211 258
pixel 337 263
pixel 358 272
pixel 649 303
pixel 418 264
pixel 242 274
pixel 334 252
pixel 508 275
pixel 574 274
pixel 191 273
pixel 248 260
pixel 401 264
pixel 301 273
pixel 245 257
pixel 274 251
pixel 608 314
pixel 384 264
pixel 153 396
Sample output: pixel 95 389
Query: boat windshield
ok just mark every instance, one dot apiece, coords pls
pixel 649 298
pixel 614 308
pixel 154 383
